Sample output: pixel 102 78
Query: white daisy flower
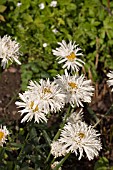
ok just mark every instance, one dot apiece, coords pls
pixel 54 165
pixel 19 4
pixel 50 95
pixel 75 116
pixel 54 30
pixel 57 149
pixel 31 107
pixel 110 81
pixel 45 45
pixel 76 88
pixel 9 50
pixel 53 4
pixel 80 137
pixel 3 135
pixel 68 54
pixel 41 5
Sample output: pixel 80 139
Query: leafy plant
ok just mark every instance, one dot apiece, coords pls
pixel 89 25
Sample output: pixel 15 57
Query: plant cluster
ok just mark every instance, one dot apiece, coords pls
pixel 43 98
pixel 39 25
pixel 52 89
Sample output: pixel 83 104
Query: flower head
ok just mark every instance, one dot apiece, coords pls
pixel 54 30
pixel 57 149
pixel 75 117
pixel 53 4
pixel 110 81
pixel 41 5
pixel 50 95
pixel 68 54
pixel 31 107
pixel 40 99
pixel 9 50
pixel 3 135
pixel 76 88
pixel 45 45
pixel 19 4
pixel 80 137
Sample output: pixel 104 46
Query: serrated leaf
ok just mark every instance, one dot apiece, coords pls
pixel 38 22
pixel 60 21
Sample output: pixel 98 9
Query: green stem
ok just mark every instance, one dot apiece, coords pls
pixel 21 150
pixel 92 113
pixel 63 123
pixel 61 127
pixel 110 109
pixel 61 162
pixel 2 151
pixel 46 136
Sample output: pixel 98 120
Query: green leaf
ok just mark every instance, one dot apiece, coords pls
pixel 60 21
pixel 71 6
pixel 2 8
pixel 33 133
pixel 14 146
pixel 2 2
pixel 101 164
pixel 10 165
pixel 25 5
pixel 53 72
pixel 27 18
pixel 2 18
pixel 38 22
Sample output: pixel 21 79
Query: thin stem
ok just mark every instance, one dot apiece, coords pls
pixel 2 151
pixel 12 99
pixel 92 114
pixel 46 136
pixel 61 162
pixel 61 127
pixel 23 146
pixel 110 109
pixel 63 123
pixel 22 149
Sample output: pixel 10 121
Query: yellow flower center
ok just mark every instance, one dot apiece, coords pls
pixel 31 106
pixel 81 135
pixel 46 90
pixel 35 109
pixel 1 135
pixel 71 57
pixel 72 85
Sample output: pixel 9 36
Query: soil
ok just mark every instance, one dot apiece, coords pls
pixel 9 89
pixel 10 82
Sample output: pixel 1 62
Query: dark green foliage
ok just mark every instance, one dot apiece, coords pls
pixel 89 23
pixel 102 164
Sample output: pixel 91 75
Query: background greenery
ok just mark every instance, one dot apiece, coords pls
pixel 88 22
